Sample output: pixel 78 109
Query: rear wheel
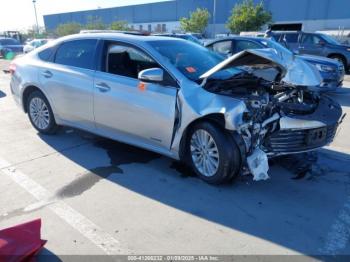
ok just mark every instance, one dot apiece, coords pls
pixel 40 113
pixel 212 153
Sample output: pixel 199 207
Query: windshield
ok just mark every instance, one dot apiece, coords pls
pixel 191 59
pixel 330 39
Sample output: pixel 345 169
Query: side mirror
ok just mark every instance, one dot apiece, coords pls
pixel 151 75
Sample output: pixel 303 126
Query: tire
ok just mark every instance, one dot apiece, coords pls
pixel 340 59
pixel 38 106
pixel 217 161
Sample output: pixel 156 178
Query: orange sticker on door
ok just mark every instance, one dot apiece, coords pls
pixel 142 86
pixel 191 69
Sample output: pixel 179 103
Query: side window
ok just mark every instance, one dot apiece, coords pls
pixel 316 39
pixel 223 47
pixel 46 54
pixel 278 37
pixel 78 53
pixel 37 44
pixel 310 39
pixel 306 39
pixel 243 45
pixel 291 38
pixel 128 61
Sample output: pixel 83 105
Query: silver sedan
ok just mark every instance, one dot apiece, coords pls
pixel 220 116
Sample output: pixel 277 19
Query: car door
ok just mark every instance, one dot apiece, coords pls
pixel 68 80
pixel 311 44
pixel 126 109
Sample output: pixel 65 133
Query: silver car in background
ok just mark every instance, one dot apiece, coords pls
pixel 170 96
pixel 35 43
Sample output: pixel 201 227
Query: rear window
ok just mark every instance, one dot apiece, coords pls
pixel 77 53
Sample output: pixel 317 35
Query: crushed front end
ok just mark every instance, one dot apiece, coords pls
pixel 279 118
pixel 283 115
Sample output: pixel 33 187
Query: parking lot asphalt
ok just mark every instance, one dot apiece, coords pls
pixel 97 196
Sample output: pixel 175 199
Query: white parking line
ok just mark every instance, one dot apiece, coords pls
pixel 339 234
pixel 87 228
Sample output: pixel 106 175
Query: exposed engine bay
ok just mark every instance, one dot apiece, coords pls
pixel 266 103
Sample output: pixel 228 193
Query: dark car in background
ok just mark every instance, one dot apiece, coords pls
pixel 315 44
pixel 10 46
pixel 332 71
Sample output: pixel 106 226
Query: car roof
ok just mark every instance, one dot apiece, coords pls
pixel 119 36
pixel 174 35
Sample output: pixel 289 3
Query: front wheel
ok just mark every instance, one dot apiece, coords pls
pixel 341 60
pixel 213 154
pixel 40 113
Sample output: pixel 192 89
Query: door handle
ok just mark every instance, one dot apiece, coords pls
pixel 47 74
pixel 103 87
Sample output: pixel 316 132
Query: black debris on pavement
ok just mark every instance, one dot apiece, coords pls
pixel 301 165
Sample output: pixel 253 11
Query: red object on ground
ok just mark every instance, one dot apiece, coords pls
pixel 21 242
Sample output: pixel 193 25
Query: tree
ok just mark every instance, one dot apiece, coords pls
pixel 197 22
pixel 94 23
pixel 68 29
pixel 247 16
pixel 120 25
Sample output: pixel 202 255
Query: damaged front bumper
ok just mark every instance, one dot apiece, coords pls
pixel 300 133
pixel 297 134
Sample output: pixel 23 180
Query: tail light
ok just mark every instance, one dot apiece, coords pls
pixel 12 68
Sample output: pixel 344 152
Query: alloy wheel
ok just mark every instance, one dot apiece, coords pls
pixel 204 153
pixel 39 113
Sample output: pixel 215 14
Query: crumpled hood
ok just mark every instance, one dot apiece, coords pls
pixel 294 70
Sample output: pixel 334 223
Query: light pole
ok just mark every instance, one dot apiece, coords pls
pixel 36 17
pixel 214 18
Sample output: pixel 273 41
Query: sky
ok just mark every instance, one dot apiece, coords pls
pixel 19 14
